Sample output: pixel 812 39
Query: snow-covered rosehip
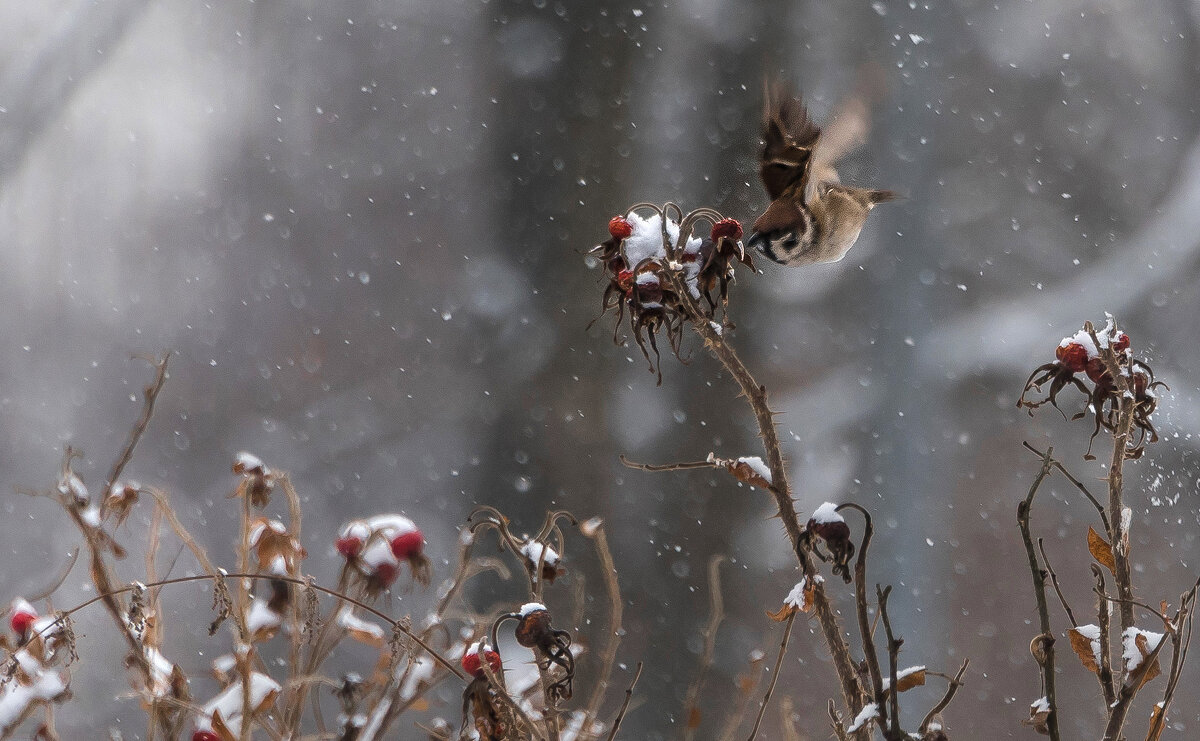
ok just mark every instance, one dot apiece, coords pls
pixel 205 736
pixel 22 618
pixel 1072 356
pixel 1121 343
pixel 349 545
pixel 727 229
pixel 408 545
pixel 619 227
pixel 383 575
pixel 473 665
pixel 535 630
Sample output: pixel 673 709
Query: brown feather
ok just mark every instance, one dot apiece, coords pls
pixel 788 140
pixel 783 213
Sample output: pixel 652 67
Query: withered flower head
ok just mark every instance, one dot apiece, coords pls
pixel 827 524
pixel 1096 354
pixel 536 631
pixel 658 272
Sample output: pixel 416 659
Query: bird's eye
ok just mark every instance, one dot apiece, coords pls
pixel 791 242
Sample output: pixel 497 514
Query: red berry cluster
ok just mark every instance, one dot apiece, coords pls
pixel 640 284
pixel 1095 355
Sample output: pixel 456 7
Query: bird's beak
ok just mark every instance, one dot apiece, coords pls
pixel 757 241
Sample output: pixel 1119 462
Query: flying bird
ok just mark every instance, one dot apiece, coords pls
pixel 812 217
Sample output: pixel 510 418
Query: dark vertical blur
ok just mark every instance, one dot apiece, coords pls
pixel 360 227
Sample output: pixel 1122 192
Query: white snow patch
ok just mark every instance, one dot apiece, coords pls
pixel 868 713
pixel 534 550
pixel 1092 634
pixel 229 702
pixel 529 607
pixel 1129 649
pixel 262 617
pixel 900 675
pixel 758 466
pixel 348 620
pixel 827 513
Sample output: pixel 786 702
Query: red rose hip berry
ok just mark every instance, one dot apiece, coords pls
pixel 1073 356
pixel 619 227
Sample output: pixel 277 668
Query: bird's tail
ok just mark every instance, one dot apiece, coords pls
pixel 875 197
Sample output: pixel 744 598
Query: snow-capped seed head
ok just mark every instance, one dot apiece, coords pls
pixel 728 229
pixel 534 627
pixel 348 545
pixel 619 227
pixel 205 736
pixel 408 545
pixel 473 665
pixel 247 463
pixel 1072 356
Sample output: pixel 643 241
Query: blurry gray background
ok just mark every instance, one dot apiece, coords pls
pixel 360 228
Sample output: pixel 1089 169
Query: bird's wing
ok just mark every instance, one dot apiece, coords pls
pixel 789 137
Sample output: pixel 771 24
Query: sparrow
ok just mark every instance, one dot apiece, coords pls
pixel 812 217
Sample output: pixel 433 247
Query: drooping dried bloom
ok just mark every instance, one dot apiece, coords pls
pixel 375 548
pixel 536 631
pixel 827 524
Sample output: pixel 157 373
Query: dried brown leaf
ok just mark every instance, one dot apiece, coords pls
pixel 1101 550
pixel 910 680
pixel 1157 723
pixel 1143 647
pixel 782 614
pixel 1085 649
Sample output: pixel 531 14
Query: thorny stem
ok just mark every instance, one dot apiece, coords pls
pixel 756 397
pixel 1105 675
pixel 1118 534
pixel 1054 583
pixel 1039 590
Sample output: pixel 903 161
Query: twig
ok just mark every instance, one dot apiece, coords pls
pixel 1054 583
pixel 893 731
pixel 1107 683
pixel 716 613
pixel 860 604
pixel 762 708
pixel 612 734
pixel 955 683
pixel 1076 482
pixel 1117 533
pixel 149 396
pixel 747 684
pixel 667 466
pixel 608 656
pixel 446 663
pixel 1046 664
pixel 1180 645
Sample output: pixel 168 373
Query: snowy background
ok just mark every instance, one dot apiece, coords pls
pixel 360 228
